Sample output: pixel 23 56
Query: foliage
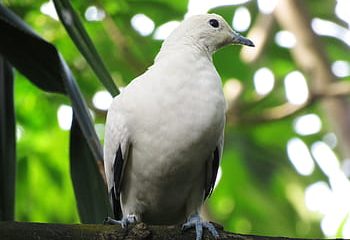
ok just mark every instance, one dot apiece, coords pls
pixel 42 64
pixel 259 192
pixel 7 141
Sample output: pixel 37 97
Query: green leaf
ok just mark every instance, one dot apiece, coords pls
pixel 7 142
pixel 41 63
pixel 89 187
pixel 81 110
pixel 30 54
pixel 83 42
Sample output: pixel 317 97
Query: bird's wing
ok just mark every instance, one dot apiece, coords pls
pixel 213 167
pixel 116 148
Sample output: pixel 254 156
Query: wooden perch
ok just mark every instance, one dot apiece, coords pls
pixel 141 231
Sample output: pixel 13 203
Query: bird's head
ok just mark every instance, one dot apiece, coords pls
pixel 209 31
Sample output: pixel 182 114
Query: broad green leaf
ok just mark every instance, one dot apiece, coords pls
pixel 89 187
pixel 7 143
pixel 43 65
pixel 30 54
pixel 83 42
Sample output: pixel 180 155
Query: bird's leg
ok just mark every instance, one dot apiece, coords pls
pixel 124 222
pixel 196 222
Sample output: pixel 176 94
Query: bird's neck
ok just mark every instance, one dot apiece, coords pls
pixel 185 46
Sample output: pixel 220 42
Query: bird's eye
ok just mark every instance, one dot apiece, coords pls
pixel 214 23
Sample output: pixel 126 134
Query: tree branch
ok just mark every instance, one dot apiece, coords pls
pixel 260 34
pixel 141 231
pixel 285 110
pixel 279 112
pixel 311 57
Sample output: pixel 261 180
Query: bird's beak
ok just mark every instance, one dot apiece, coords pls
pixel 238 39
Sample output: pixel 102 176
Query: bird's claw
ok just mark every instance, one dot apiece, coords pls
pixel 110 221
pixel 124 222
pixel 196 222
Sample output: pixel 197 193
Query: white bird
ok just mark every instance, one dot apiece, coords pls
pixel 164 132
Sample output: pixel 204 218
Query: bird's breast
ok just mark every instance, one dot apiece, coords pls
pixel 175 123
pixel 182 122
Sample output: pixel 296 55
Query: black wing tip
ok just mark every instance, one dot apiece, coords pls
pixel 115 191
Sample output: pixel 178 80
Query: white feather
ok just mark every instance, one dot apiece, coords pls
pixel 172 117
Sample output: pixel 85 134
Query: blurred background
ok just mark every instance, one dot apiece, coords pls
pixel 286 162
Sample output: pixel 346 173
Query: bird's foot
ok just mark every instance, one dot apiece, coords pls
pixel 196 222
pixel 124 222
